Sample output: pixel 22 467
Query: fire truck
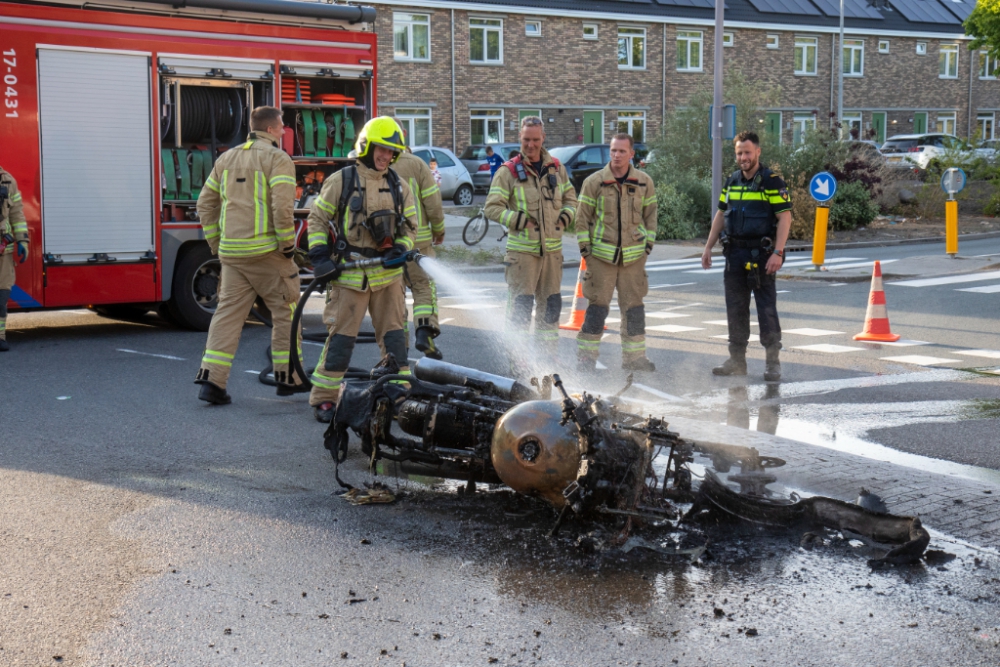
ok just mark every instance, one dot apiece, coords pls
pixel 114 114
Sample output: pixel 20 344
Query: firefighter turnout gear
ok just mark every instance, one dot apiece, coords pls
pixel 616 229
pixel 246 209
pixel 14 239
pixel 341 232
pixel 429 221
pixel 535 205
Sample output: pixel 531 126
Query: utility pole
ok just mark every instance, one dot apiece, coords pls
pixel 717 107
pixel 840 74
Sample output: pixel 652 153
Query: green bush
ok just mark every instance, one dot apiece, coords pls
pixel 674 218
pixel 852 207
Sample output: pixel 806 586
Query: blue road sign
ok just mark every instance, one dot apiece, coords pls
pixel 953 180
pixel 823 186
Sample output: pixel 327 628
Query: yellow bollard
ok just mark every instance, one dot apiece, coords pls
pixel 819 235
pixel 951 227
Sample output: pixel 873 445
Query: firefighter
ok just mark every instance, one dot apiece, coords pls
pixel 753 220
pixel 430 232
pixel 246 209
pixel 532 196
pixel 372 208
pixel 616 229
pixel 13 239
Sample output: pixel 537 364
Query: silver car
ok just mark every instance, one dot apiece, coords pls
pixel 474 159
pixel 456 183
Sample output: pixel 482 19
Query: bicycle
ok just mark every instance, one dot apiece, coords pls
pixel 475 228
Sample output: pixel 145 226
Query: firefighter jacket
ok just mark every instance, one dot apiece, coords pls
pixel 426 196
pixel 247 205
pixel 618 222
pixel 513 201
pixel 751 207
pixel 12 212
pixel 376 194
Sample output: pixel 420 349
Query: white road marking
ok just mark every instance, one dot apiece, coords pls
pixel 724 323
pixel 673 328
pixel 994 371
pixel 677 285
pixel 985 289
pixel 807 331
pixel 312 342
pixel 660 394
pixel 667 262
pixel 753 337
pixel 63 398
pixel 903 343
pixel 150 354
pixel 678 267
pixel 666 316
pixel 829 349
pixel 471 306
pixel 989 354
pixel 782 291
pixel 446 320
pixel 920 360
pixel 949 280
pixel 836 284
pixel 858 265
pixel 599 366
pixel 612 320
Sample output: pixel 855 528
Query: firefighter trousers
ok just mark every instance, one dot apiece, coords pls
pixel 534 282
pixel 387 307
pixel 6 284
pixel 425 303
pixel 273 278
pixel 600 281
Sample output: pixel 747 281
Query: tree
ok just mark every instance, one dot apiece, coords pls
pixel 983 25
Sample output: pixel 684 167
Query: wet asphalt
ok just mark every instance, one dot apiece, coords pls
pixel 138 526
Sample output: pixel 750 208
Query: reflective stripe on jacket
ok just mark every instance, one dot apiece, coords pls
pixel 752 206
pixel 426 195
pixel 247 205
pixel 12 219
pixel 617 221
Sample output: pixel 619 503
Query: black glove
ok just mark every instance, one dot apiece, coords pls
pixel 323 266
pixel 289 253
pixel 395 256
pixel 565 219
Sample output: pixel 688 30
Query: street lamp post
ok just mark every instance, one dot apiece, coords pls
pixel 840 73
pixel 716 114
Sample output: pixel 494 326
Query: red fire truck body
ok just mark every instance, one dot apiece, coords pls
pixel 112 118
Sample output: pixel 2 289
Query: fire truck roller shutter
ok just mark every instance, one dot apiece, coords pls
pixel 97 161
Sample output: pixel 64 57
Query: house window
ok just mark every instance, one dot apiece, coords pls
pixel 411 36
pixel 486 41
pixel 921 48
pixel 727 39
pixel 883 46
pixel 590 31
pixel 801 124
pixel 948 61
pixel 633 123
pixel 988 66
pixel 946 123
pixel 805 55
pixel 487 126
pixel 533 28
pixel 984 126
pixel 854 57
pixel 689 51
pixel 416 124
pixel 850 126
pixel 773 41
pixel 631 48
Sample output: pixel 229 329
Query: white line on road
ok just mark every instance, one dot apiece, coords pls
pixel 446 320
pixel 660 394
pixel 807 331
pixel 829 349
pixel 920 360
pixel 989 354
pixel 150 354
pixel 949 280
pixel 985 289
pixel 652 287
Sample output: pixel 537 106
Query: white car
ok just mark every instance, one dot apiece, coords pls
pixel 456 183
pixel 917 151
pixel 988 149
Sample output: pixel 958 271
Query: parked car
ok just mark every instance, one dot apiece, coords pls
pixel 919 151
pixel 647 159
pixel 582 160
pixel 474 159
pixel 988 149
pixel 868 150
pixel 456 183
pixel 641 151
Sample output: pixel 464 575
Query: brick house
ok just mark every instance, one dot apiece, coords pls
pixel 464 72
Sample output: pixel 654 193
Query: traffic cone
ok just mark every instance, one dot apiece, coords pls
pixel 877 317
pixel 579 307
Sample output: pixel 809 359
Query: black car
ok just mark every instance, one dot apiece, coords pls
pixel 582 160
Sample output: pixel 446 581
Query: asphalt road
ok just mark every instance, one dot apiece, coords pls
pixel 139 526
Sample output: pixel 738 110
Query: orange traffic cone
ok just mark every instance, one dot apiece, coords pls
pixel 877 317
pixel 579 308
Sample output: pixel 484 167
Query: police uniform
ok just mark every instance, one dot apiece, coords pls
pixel 751 209
pixel 534 256
pixel 246 210
pixel 14 232
pixel 616 229
pixel 429 221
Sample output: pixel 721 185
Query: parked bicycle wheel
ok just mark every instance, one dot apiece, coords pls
pixel 475 229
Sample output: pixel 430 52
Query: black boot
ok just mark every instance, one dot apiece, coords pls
pixel 736 364
pixel 772 367
pixel 211 393
pixel 639 364
pixel 4 345
pixel 425 343
pixel 324 412
pixel 289 389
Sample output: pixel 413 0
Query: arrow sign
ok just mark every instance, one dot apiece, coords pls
pixel 823 186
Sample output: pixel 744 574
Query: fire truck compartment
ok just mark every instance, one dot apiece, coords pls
pixel 102 283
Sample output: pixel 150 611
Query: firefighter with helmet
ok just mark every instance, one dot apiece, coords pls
pixel 370 208
pixel 13 239
pixel 246 209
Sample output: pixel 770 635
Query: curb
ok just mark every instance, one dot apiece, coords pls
pixel 894 242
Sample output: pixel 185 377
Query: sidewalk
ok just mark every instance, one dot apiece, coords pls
pixel 926 266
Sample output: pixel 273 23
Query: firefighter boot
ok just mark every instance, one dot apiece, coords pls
pixel 214 394
pixel 4 345
pixel 425 343
pixel 324 412
pixel 772 367
pixel 736 364
pixel 639 364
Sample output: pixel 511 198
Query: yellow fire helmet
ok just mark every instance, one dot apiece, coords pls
pixel 384 131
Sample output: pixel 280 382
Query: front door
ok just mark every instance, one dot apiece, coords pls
pixel 593 127
pixel 878 124
pixel 919 122
pixel 772 125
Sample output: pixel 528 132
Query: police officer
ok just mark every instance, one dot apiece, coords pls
pixel 532 196
pixel 753 219
pixel 371 208
pixel 246 209
pixel 430 232
pixel 616 229
pixel 13 239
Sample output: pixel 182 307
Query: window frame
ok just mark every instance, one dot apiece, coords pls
pixel 805 43
pixel 487 25
pixel 946 117
pixel 773 40
pixel 689 38
pixel 944 53
pixel 536 22
pixel 486 115
pixel 991 117
pixel 630 37
pixel 409 116
pixel 985 71
pixel 802 121
pixel 596 30
pixel 730 37
pixel 847 122
pixel 408 25
pixel 883 46
pixel 629 118
pixel 853 45
pixel 921 48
